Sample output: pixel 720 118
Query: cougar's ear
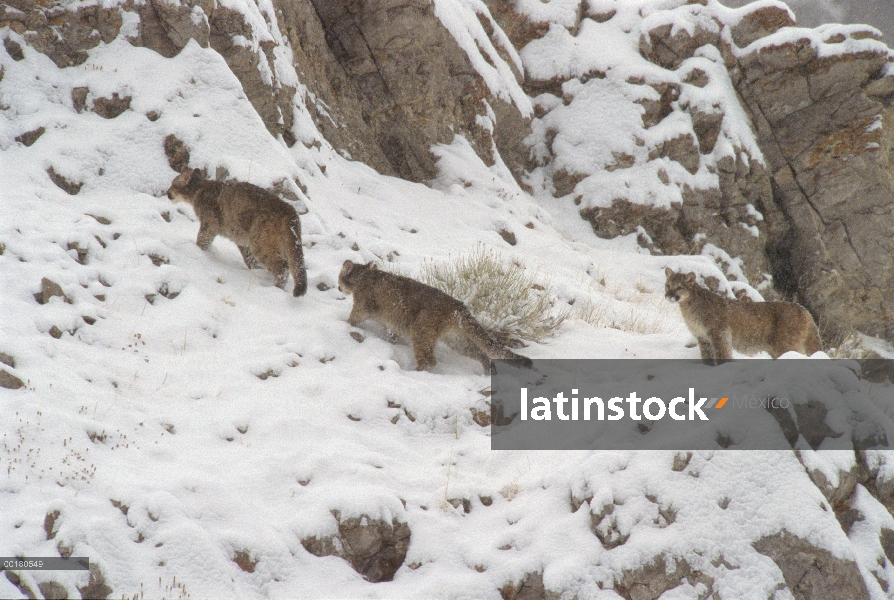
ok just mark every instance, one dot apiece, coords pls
pixel 667 272
pixel 372 266
pixel 690 277
pixel 347 268
pixel 196 175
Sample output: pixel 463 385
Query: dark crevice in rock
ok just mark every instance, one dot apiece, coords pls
pixel 780 257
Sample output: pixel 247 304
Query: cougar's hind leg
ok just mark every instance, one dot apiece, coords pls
pixel 273 262
pixel 424 351
pixel 249 258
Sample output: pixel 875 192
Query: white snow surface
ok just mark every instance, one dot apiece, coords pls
pixel 604 74
pixel 158 406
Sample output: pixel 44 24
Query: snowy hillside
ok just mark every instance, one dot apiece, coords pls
pixel 198 432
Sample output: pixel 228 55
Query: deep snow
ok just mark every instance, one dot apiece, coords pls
pixel 233 417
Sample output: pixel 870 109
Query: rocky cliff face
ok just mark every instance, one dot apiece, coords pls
pixel 385 80
pixel 818 102
pixel 797 188
pixel 394 76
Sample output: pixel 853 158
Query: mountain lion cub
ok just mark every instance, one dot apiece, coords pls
pixel 419 312
pixel 720 324
pixel 265 228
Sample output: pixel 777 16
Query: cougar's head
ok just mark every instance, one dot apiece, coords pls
pixel 180 186
pixel 677 286
pixel 350 272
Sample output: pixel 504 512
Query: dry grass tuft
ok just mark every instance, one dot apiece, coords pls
pixel 503 295
pixel 642 321
pixel 591 311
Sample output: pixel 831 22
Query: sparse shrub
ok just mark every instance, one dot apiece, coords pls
pixel 642 288
pixel 640 321
pixel 598 275
pixel 591 312
pixel 509 491
pixel 502 295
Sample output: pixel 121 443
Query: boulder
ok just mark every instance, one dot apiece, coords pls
pixel 669 46
pixel 375 548
pixel 50 289
pixel 29 137
pixel 653 579
pixel 10 381
pixel 811 572
pixel 529 588
pixel 759 23
pixel 166 27
pixel 111 107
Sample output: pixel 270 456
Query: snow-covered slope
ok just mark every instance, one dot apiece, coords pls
pixel 187 425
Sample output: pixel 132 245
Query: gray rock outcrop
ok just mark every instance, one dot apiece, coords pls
pixel 811 572
pixel 375 548
pixel 725 215
pixel 390 81
pixel 813 206
pixel 168 27
pixel 823 125
pixel 63 35
pixel 386 79
pixel 820 108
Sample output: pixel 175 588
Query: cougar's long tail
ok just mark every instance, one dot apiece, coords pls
pixel 813 343
pixel 475 333
pixel 296 259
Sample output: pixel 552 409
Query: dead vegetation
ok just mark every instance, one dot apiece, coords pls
pixel 504 296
